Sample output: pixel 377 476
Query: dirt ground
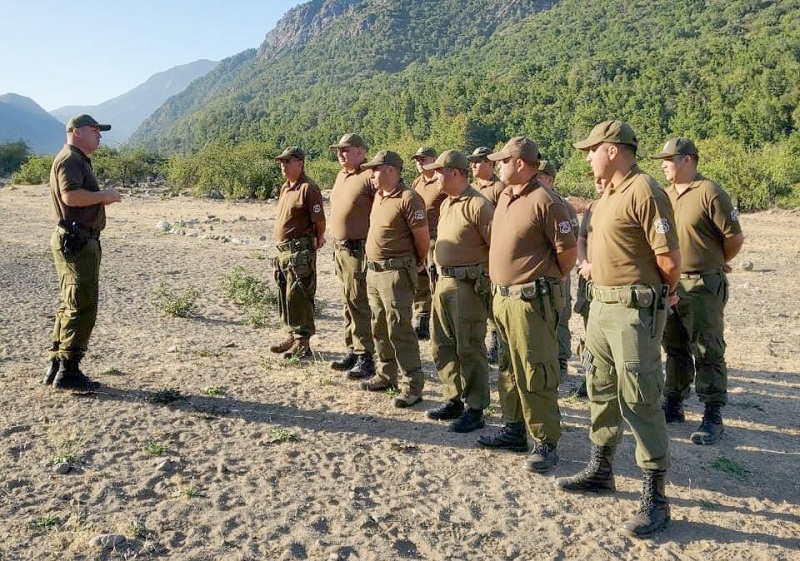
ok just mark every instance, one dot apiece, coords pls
pixel 297 463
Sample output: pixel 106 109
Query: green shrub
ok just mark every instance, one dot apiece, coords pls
pixel 179 305
pixel 13 155
pixel 33 172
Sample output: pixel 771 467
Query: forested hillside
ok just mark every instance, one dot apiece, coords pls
pixel 459 74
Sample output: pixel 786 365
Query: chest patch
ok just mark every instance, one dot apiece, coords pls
pixel 565 227
pixel 661 226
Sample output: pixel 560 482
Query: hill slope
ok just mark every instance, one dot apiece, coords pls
pixel 127 111
pixel 467 73
pixel 21 118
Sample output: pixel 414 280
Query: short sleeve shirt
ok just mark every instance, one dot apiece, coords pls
pixel 528 231
pixel 394 215
pixel 433 196
pixel 490 188
pixel 351 203
pixel 631 223
pixel 299 208
pixel 465 228
pixel 72 170
pixel 705 217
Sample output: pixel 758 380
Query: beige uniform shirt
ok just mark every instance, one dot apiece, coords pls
pixel 393 217
pixel 72 170
pixel 465 225
pixel 528 231
pixel 705 217
pixel 299 208
pixel 351 203
pixel 631 223
pixel 433 196
pixel 490 189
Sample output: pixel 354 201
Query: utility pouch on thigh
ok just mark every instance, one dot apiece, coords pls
pixel 660 311
pixel 529 293
pixel 301 263
pixel 587 360
pixel 558 294
pixel 642 297
pixel 483 285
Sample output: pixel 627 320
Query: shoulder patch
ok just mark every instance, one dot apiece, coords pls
pixel 317 209
pixel 661 225
pixel 565 227
pixel 735 215
pixel 419 214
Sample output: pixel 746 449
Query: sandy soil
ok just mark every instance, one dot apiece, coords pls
pixel 297 463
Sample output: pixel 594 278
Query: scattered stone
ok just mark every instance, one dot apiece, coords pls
pixel 163 226
pixel 747 265
pixel 215 194
pixel 224 239
pixel 173 349
pixel 107 541
pixel 222 468
pixel 242 218
pixel 229 345
pixel 166 465
pixel 62 468
pixel 237 241
pixel 192 235
pixel 262 238
pixel 193 221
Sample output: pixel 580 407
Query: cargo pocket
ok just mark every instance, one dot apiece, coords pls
pixel 301 263
pixel 542 376
pixel 642 385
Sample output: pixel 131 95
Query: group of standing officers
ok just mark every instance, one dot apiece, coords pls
pixel 447 259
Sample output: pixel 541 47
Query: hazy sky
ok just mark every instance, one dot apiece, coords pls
pixel 85 52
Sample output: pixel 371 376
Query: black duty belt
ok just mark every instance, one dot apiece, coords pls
pixel 349 245
pixel 395 264
pixel 462 272
pixel 296 244
pixel 538 287
pixel 698 276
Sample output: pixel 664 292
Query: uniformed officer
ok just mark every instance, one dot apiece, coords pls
pixel 635 269
pixel 461 297
pixel 484 179
pixel 426 186
pixel 299 233
pixel 79 205
pixel 585 275
pixel 710 236
pixel 547 176
pixel 532 249
pixel 351 203
pixel 489 185
pixel 397 247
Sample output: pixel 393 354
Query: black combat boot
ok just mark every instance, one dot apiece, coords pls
pixel 596 476
pixel 673 410
pixel 711 428
pixel 492 351
pixel 364 368
pixel 51 371
pixel 470 420
pixel 345 363
pixel 543 458
pixel 70 377
pixel 511 437
pixel 423 327
pixel 447 411
pixel 653 513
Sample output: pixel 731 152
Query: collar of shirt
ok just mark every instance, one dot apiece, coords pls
pixel 693 185
pixel 626 181
pixel 530 186
pixel 393 193
pixel 296 185
pixel 486 182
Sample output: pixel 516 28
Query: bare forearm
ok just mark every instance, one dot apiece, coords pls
pixel 669 267
pixel 83 197
pixel 422 242
pixel 583 253
pixel 731 246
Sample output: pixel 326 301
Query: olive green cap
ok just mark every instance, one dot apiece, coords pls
pixel 84 120
pixel 479 154
pixel 453 159
pixel 676 147
pixel 424 152
pixel 291 152
pixel 348 140
pixel 546 166
pixel 616 132
pixel 520 147
pixel 385 158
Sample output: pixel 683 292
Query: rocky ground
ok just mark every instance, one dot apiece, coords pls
pixel 199 445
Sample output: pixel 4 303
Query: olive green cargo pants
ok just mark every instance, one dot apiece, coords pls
pixel 352 272
pixel 528 388
pixel 694 342
pixel 78 280
pixel 296 275
pixel 624 380
pixel 457 342
pixel 391 293
pixel 562 330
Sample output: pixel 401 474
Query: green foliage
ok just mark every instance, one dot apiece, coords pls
pixel 245 170
pixel 179 305
pixel 464 73
pixel 127 165
pixel 34 171
pixel 252 294
pixel 13 155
